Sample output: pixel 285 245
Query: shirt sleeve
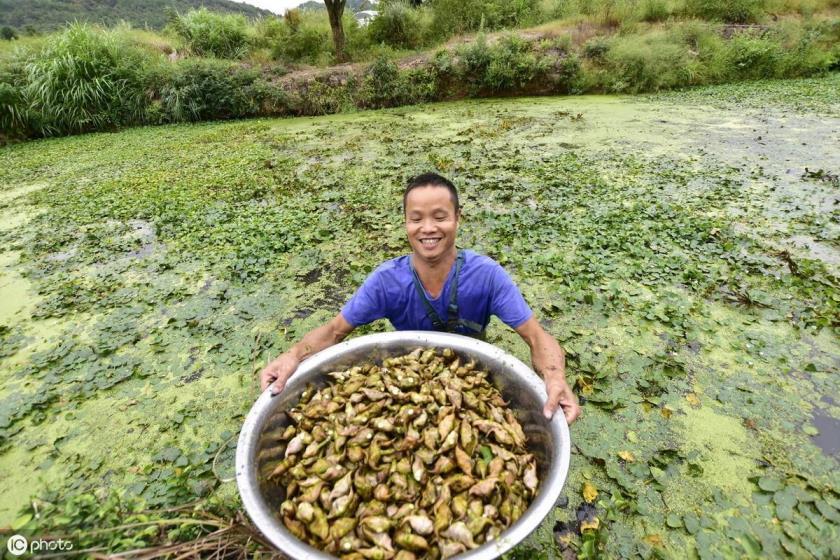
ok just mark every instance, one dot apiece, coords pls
pixel 368 303
pixel 507 302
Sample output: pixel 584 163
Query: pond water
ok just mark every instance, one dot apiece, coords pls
pixel 674 244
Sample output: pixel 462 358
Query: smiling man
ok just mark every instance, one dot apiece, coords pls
pixel 437 287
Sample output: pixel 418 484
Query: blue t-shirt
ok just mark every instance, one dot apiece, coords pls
pixel 484 289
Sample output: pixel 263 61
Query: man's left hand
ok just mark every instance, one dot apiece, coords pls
pixel 549 361
pixel 560 394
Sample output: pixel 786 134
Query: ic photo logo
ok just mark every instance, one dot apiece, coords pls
pixel 17 544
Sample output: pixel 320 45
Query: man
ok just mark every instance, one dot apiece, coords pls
pixel 437 287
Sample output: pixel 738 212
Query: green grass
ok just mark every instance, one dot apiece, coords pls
pixel 87 79
pixel 653 58
pixel 206 33
pixel 83 80
pixel 660 239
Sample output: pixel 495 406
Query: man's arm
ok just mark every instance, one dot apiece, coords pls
pixel 549 361
pixel 278 371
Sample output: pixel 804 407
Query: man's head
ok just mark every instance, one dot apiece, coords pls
pixel 431 208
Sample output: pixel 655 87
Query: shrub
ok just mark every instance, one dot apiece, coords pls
pixel 207 33
pixel 144 39
pixel 269 31
pixel 443 62
pixel 615 13
pixel 752 57
pixel 779 53
pixel 381 87
pixel 729 11
pixel 802 59
pixel 654 10
pixel 596 48
pixel 829 42
pixel 307 39
pixel 611 13
pixel 473 62
pixel 205 89
pixel 267 99
pixel 510 13
pixel 513 65
pixel 319 97
pixel 509 65
pixel 7 33
pixel 562 66
pixel 422 84
pixel 567 75
pixel 14 116
pixel 648 62
pixel 695 53
pixel 460 16
pixel 292 18
pixel 384 85
pixel 358 43
pixel 555 9
pixel 397 25
pixel 85 80
pixel 706 47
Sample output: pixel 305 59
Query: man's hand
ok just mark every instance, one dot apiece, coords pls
pixel 560 394
pixel 281 369
pixel 278 372
pixel 549 360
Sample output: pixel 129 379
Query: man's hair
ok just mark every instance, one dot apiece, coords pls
pixel 432 180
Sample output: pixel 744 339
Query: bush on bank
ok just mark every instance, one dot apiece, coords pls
pixel 85 79
pixel 401 26
pixel 205 89
pixel 207 33
pixel 695 53
pixel 460 16
pixel 82 80
pixel 730 11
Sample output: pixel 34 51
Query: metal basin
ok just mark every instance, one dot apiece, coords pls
pixel 258 451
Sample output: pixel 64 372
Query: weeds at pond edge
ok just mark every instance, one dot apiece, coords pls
pixel 194 530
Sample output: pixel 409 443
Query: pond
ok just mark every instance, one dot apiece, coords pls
pixel 682 247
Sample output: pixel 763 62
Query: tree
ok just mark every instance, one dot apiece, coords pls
pixel 7 33
pixel 335 9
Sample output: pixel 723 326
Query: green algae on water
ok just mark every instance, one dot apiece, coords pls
pixel 158 269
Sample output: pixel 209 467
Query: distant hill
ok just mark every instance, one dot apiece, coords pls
pixel 352 5
pixel 46 15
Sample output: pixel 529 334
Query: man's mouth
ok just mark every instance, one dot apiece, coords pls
pixel 430 242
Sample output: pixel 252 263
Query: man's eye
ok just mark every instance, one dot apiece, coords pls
pixel 441 218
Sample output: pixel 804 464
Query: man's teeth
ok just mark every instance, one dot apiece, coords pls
pixel 430 242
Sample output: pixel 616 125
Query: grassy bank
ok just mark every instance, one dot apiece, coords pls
pixel 216 67
pixel 674 243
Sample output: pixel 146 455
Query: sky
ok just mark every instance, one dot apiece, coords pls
pixel 276 6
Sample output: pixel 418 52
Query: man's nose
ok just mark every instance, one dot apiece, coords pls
pixel 428 226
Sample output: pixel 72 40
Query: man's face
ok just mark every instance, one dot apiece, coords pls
pixel 430 221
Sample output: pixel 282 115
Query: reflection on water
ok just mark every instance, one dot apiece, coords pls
pixel 829 437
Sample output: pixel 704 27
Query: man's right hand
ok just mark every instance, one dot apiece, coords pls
pixel 277 372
